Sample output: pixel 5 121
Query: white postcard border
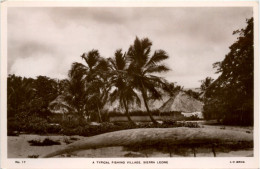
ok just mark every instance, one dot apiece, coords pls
pixel 187 162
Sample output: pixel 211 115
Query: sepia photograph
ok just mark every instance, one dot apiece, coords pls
pixel 130 82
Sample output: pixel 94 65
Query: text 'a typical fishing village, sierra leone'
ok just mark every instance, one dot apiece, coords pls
pixel 130 82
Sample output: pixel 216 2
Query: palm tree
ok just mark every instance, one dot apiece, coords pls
pixel 93 78
pixel 120 80
pixel 142 68
pixel 97 95
pixel 74 97
pixel 20 94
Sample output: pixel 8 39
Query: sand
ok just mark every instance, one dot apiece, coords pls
pixel 18 147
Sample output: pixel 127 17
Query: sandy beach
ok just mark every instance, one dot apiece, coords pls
pixel 19 147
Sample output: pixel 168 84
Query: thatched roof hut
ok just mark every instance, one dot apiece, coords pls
pixel 153 105
pixel 58 105
pixel 183 103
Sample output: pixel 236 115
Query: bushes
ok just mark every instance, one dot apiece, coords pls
pixel 91 130
pixel 24 122
pixel 12 127
pixel 193 117
pixel 169 122
pixel 45 142
pixel 144 113
pixel 189 124
pixel 78 126
pixel 53 128
pixel 31 124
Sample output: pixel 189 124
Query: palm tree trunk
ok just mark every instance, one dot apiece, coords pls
pixel 146 105
pixel 127 113
pixel 99 115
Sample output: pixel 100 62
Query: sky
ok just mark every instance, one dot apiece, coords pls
pixel 46 41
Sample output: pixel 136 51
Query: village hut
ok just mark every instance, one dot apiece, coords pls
pixel 58 105
pixel 138 113
pixel 153 105
pixel 60 109
pixel 182 102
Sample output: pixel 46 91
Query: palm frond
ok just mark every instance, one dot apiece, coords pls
pixel 138 53
pixel 157 81
pixel 157 57
pixel 120 60
pixel 102 65
pixel 91 58
pixel 146 47
pixel 156 69
pixel 77 71
pixel 113 64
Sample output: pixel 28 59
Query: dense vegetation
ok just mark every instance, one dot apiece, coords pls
pixel 30 96
pixel 231 96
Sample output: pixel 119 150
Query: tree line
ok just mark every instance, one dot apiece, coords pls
pixel 231 96
pixel 31 96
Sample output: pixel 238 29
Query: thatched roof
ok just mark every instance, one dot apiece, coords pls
pixel 153 105
pixel 183 103
pixel 58 105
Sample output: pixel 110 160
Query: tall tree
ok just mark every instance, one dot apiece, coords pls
pixel 74 96
pixel 46 90
pixel 20 94
pixel 92 77
pixel 142 69
pixel 119 79
pixel 230 97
